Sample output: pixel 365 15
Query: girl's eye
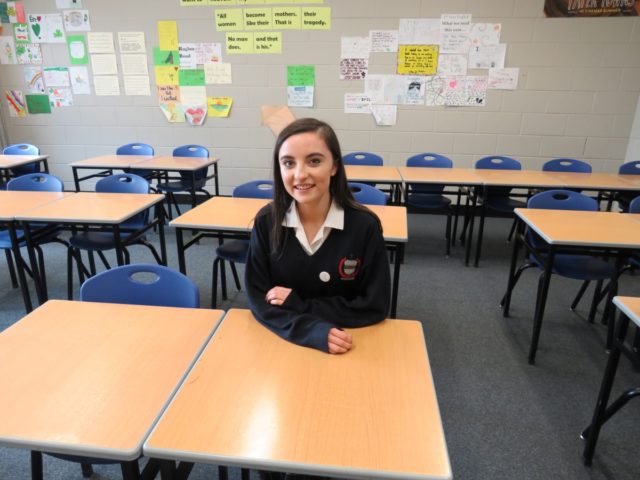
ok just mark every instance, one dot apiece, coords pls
pixel 287 163
pixel 315 161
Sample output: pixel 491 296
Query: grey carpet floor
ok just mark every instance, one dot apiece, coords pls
pixel 503 419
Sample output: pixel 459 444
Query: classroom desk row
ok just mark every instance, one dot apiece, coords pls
pixel 164 164
pixel 232 217
pixel 117 382
pixel 73 210
pixel 8 162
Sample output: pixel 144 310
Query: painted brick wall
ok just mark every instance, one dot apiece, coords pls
pixel 577 96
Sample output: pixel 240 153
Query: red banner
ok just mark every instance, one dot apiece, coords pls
pixel 591 8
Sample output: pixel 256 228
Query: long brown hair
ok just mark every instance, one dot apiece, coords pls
pixel 338 187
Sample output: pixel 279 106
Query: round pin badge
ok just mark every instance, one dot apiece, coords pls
pixel 325 277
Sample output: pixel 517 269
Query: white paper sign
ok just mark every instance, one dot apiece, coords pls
pixel 80 80
pixel 489 56
pixel 136 85
pixel 455 32
pixel 104 64
pixel 419 31
pixel 193 95
pixel 131 42
pixel 355 47
pixel 357 103
pixel 384 40
pixel 503 78
pixel 300 96
pixel 134 64
pixel 100 42
pixel 7 50
pixel 217 73
pixel 452 64
pixel 435 87
pixel 56 77
pixel 76 20
pixel 384 115
pixel 60 97
pixel 106 85
pixel 485 34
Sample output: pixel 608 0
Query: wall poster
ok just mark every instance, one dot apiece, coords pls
pixel 591 8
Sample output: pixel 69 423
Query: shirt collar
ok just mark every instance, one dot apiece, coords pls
pixel 335 217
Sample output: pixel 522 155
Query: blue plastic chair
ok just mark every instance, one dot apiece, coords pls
pixel 366 194
pixel 624 198
pixel 142 284
pixel 362 158
pixel 577 267
pixel 187 183
pixel 101 241
pixel 137 149
pixel 22 149
pixel 566 165
pixel 32 182
pixel 429 196
pixel 235 251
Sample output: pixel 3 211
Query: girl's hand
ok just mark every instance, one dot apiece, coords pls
pixel 339 341
pixel 277 295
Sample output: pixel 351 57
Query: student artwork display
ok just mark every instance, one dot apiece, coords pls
pixel 300 85
pixel 38 104
pixel 29 53
pixel 15 12
pixel 56 77
pixel 21 33
pixel 46 28
pixel 34 80
pixel 60 97
pixel 15 103
pixel 76 20
pixel 79 77
pixel 7 50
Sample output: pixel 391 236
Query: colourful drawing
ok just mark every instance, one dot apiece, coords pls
pixel 219 106
pixel 173 112
pixel 195 114
pixel 29 53
pixel 38 104
pixel 46 28
pixel 34 79
pixel 7 50
pixel 15 103
pixel 77 47
pixel 15 11
pixel 21 32
pixel 165 57
pixel 60 97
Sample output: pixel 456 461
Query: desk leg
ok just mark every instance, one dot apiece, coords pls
pixel 506 301
pixel 22 279
pixel 469 239
pixel 608 315
pixel 76 181
pixel 457 214
pixel 215 179
pixel 130 470
pixel 396 278
pixel 118 241
pixel 541 300
pixel 36 466
pixel 163 243
pixel 180 244
pixel 483 214
pixel 167 469
pixel 41 290
pixel 599 415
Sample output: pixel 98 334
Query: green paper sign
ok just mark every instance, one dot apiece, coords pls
pixel 4 14
pixel 38 104
pixel 191 78
pixel 301 75
pixel 21 32
pixel 77 47
pixel 165 57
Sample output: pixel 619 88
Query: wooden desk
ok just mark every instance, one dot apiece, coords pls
pixel 13 203
pixel 167 164
pixel 600 182
pixel 377 174
pixel 569 231
pixel 90 208
pixel 629 310
pixel 230 216
pixel 370 413
pixel 106 164
pixel 91 379
pixel 8 162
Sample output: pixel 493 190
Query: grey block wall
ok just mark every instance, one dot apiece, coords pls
pixel 577 94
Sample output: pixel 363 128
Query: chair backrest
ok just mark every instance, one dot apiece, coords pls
pixel 562 200
pixel 254 189
pixel 192 151
pixel 126 183
pixel 566 165
pixel 21 149
pixel 634 206
pixel 498 162
pixel 428 160
pixel 366 194
pixel 142 284
pixel 36 182
pixel 135 149
pixel 362 158
pixel 630 168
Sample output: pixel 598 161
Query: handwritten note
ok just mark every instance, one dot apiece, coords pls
pixel 384 40
pixel 131 42
pixel 100 42
pixel 417 59
pixel 353 68
pixel 168 34
pixel 503 78
pixel 217 73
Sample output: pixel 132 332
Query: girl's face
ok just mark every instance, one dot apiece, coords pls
pixel 306 168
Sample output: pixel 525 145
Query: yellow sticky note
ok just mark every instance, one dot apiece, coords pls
pixel 316 18
pixel 257 19
pixel 219 106
pixel 253 2
pixel 305 1
pixel 267 42
pixel 229 19
pixel 239 42
pixel 286 18
pixel 168 35
pixel 222 2
pixel 417 59
pixel 167 75
pixel 192 3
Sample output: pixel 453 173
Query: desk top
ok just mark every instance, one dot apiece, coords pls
pixel 10 161
pixel 92 378
pixel 449 176
pixel 14 202
pixel 371 173
pixel 186 164
pixel 255 400
pixel 630 306
pixel 518 178
pixel 236 214
pixel 92 207
pixel 111 161
pixel 579 228
pixel 632 179
pixel 594 181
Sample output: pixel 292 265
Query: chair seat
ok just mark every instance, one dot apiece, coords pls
pixel 180 186
pixel 234 251
pixel 5 240
pixel 428 200
pixel 94 240
pixel 579 267
pixel 504 204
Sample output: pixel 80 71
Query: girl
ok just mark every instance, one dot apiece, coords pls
pixel 317 260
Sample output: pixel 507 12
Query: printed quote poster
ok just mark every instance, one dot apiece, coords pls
pixel 591 8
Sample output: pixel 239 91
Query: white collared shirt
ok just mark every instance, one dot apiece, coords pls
pixel 335 219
